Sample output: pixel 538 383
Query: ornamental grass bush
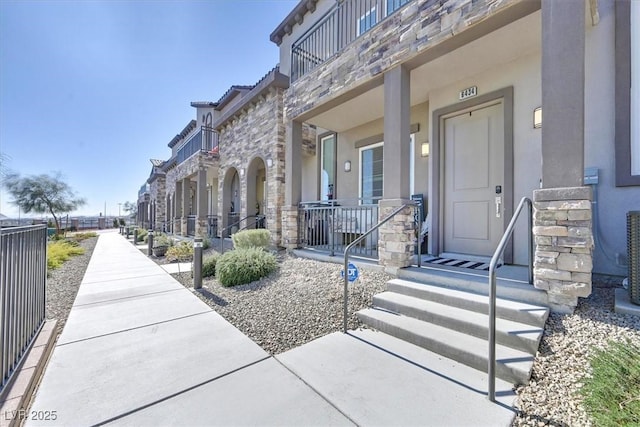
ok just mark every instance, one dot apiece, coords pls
pixel 245 265
pixel 612 393
pixel 259 238
pixel 209 266
pixel 58 252
pixel 142 234
pixel 182 252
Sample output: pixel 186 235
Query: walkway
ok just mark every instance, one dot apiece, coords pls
pixel 140 349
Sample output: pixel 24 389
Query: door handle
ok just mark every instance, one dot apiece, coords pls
pixel 498 206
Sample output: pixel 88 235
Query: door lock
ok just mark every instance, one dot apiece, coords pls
pixel 498 206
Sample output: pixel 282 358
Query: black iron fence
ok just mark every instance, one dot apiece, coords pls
pixel 329 226
pixel 22 293
pixel 205 140
pixel 345 22
pixel 191 225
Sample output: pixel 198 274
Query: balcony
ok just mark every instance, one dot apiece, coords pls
pixel 143 190
pixel 205 140
pixel 343 24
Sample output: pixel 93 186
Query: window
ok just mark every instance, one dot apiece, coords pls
pixel 393 5
pixel 371 173
pixel 327 167
pixel 367 21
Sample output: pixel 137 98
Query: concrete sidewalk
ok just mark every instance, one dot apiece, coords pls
pixel 140 349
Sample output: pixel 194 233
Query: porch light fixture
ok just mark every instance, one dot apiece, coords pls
pixel 347 166
pixel 269 162
pixel 537 118
pixel 424 149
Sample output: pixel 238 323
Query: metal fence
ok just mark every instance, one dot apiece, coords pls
pixel 329 226
pixel 191 225
pixel 23 276
pixel 206 139
pixel 344 23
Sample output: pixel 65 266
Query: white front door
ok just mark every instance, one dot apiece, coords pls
pixel 473 181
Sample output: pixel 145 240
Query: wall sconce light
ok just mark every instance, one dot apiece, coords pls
pixel 269 162
pixel 242 172
pixel 424 149
pixel 347 166
pixel 537 118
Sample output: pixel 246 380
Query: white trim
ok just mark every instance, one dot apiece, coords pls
pixel 360 150
pixel 323 195
pixel 412 165
pixel 635 88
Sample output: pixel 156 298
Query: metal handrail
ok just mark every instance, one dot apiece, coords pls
pixel 228 227
pixel 492 286
pixel 346 258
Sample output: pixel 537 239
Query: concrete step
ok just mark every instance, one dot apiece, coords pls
pixel 528 314
pixel 513 334
pixel 476 282
pixel 511 365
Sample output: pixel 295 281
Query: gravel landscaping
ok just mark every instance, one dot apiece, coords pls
pixel 303 301
pixel 63 283
pixel 300 302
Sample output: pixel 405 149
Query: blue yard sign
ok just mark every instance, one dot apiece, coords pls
pixel 352 272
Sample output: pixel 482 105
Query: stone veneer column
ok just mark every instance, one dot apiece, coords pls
pixel 186 195
pixel 201 205
pixel 290 227
pixel 396 237
pixel 564 242
pixel 177 203
pixel 293 184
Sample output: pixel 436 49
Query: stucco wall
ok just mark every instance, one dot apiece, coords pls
pixel 524 75
pixel 612 202
pixel 322 6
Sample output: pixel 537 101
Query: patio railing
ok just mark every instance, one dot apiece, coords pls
pixel 329 226
pixel 345 22
pixel 22 293
pixel 191 225
pixel 205 140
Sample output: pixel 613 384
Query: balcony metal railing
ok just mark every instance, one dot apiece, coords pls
pixel 345 22
pixel 144 189
pixel 22 293
pixel 205 140
pixel 331 225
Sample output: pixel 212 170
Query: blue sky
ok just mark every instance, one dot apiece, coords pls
pixel 94 89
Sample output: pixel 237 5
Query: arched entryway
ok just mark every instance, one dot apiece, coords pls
pixel 257 193
pixel 230 198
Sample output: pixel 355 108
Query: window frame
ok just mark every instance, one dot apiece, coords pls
pixel 321 139
pixel 364 18
pixel 361 169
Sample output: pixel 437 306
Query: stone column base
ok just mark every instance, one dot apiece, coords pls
pixel 396 241
pixel 202 227
pixel 563 233
pixel 183 226
pixel 290 238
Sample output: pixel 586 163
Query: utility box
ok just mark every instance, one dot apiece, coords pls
pixel 633 248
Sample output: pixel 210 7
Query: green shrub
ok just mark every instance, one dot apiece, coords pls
pixel 161 239
pixel 241 266
pixel 142 234
pixel 182 252
pixel 209 266
pixel 83 236
pixel 115 223
pixel 611 394
pixel 60 251
pixel 260 238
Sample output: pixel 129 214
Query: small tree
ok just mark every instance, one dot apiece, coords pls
pixel 43 194
pixel 131 208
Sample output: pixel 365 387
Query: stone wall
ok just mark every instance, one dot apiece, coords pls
pixel 419 26
pixel 158 192
pixel 256 132
pixel 563 235
pixel 396 241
